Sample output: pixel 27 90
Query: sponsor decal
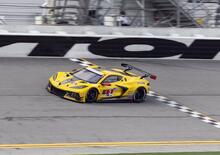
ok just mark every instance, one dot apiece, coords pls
pixel 58 46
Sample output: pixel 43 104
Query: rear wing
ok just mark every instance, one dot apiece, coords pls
pixel 146 74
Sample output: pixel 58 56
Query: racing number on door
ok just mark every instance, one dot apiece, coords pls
pixel 109 92
pixel 109 87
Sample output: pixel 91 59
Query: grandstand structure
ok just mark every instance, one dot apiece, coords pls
pixel 141 13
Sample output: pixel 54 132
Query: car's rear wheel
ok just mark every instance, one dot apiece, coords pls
pixel 92 95
pixel 140 95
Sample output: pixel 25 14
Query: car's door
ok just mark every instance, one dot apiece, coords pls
pixel 109 86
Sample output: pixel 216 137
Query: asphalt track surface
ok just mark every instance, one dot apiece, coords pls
pixel 31 115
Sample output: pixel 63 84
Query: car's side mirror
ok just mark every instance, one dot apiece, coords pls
pixel 124 65
pixel 74 70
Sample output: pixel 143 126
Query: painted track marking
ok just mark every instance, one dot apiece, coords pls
pixel 82 62
pixel 185 109
pixel 107 144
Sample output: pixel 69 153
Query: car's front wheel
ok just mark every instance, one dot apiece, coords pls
pixel 92 95
pixel 140 95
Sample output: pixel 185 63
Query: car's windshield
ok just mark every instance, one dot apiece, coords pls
pixel 87 76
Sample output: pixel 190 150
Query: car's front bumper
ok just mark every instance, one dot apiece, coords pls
pixel 63 93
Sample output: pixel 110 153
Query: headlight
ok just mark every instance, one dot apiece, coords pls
pixel 54 77
pixel 79 87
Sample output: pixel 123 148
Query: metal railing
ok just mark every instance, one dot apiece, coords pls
pixel 200 14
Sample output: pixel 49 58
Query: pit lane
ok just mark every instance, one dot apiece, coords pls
pixel 29 114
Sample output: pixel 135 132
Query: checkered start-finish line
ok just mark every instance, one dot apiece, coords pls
pixel 82 62
pixel 185 109
pixel 165 100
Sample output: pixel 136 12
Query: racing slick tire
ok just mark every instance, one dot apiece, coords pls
pixel 139 95
pixel 92 95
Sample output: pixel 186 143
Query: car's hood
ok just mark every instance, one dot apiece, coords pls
pixel 68 80
pixel 72 81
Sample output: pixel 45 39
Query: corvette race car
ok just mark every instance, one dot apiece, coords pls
pixel 92 83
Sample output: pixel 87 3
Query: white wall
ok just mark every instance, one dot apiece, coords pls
pixel 113 42
pixel 20 11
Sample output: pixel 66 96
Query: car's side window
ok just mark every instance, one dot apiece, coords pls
pixel 112 78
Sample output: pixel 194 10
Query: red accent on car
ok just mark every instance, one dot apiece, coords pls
pixel 154 77
pixel 106 84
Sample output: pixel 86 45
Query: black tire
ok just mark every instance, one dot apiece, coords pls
pixel 139 95
pixel 92 95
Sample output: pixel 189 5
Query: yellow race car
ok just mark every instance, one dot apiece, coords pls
pixel 92 83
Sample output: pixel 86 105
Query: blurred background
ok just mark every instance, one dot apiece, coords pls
pixel 135 13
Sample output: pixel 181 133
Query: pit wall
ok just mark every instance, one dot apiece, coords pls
pixel 91 42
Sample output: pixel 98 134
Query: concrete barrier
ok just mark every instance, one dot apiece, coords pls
pixel 115 45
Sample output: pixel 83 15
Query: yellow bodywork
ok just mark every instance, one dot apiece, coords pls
pixel 65 85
